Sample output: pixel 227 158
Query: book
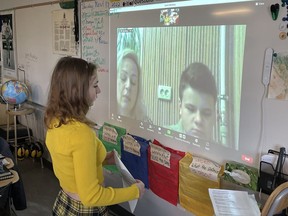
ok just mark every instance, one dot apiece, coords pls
pixel 5 173
pixel 6 177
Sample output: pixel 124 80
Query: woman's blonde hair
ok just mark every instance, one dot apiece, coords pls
pixel 68 97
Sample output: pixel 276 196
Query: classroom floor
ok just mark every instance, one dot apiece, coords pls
pixel 41 187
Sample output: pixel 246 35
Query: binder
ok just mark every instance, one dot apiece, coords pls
pixel 8 176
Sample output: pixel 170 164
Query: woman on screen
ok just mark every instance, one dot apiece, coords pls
pixel 77 154
pixel 129 95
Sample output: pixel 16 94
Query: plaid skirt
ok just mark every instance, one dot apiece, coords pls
pixel 67 206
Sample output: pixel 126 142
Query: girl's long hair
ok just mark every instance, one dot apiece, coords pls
pixel 68 98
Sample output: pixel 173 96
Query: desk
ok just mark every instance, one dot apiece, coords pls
pixel 18 112
pixel 15 177
pixel 5 190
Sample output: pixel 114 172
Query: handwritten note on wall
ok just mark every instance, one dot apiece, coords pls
pixel 160 155
pixel 131 145
pixel 205 168
pixel 95 33
pixel 110 134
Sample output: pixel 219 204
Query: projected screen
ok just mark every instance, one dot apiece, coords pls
pixel 176 70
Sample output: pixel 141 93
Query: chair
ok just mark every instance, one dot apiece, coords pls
pixel 277 201
pixel 17 189
pixel 5 193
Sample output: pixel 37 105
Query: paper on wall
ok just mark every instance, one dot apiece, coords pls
pixel 205 168
pixel 131 145
pixel 110 134
pixel 160 155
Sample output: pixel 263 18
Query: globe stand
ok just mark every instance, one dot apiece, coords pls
pixel 18 112
pixel 25 112
pixel 14 93
pixel 16 107
pixel 2 100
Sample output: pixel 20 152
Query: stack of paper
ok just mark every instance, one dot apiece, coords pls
pixel 233 203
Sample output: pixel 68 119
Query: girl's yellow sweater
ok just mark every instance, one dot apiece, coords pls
pixel 77 157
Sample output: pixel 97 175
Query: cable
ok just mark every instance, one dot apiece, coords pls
pixel 267 66
pixel 260 141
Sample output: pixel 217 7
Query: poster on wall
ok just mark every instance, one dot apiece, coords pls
pixel 8 52
pixel 63 32
pixel 278 86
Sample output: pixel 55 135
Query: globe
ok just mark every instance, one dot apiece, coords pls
pixel 14 92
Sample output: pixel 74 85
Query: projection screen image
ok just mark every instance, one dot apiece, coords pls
pixel 174 74
pixel 206 103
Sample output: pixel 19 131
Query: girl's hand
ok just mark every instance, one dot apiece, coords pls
pixel 109 160
pixel 141 188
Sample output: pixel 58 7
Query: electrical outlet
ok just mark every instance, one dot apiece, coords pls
pixel 164 92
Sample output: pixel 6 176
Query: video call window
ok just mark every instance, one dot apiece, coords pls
pixel 149 56
pixel 164 53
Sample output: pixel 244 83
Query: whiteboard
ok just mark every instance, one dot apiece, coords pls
pixel 34 48
pixel 94 48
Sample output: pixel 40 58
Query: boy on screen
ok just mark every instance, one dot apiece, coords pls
pixel 197 102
